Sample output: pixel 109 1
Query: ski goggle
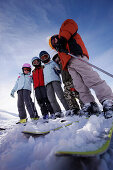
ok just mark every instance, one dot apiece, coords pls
pixel 36 62
pixel 44 57
pixel 26 69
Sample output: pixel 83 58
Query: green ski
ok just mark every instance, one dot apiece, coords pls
pixel 96 152
pixel 39 133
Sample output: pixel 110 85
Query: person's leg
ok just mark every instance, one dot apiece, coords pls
pixel 84 92
pixel 52 97
pixel 59 91
pixel 45 99
pixel 77 96
pixel 70 96
pixel 28 102
pixel 40 101
pixel 21 106
pixel 90 79
pixel 79 76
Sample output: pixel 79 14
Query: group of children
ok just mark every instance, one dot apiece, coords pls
pixel 77 76
pixel 47 84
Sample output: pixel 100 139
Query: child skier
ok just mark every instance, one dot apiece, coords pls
pixel 53 83
pixel 69 91
pixel 40 89
pixel 84 77
pixel 23 88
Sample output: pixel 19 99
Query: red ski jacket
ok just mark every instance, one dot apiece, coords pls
pixel 38 77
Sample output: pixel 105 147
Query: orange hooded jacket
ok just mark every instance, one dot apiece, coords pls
pixel 68 28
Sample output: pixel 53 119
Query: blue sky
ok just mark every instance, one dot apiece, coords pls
pixel 25 26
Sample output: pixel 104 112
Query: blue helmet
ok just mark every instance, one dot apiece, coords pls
pixel 35 58
pixel 36 64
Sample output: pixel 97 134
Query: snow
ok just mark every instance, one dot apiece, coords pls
pixel 18 152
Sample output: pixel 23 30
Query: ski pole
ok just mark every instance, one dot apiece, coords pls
pixel 34 96
pixel 34 101
pixel 105 72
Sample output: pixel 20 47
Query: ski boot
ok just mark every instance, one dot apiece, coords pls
pixel 89 109
pixel 59 115
pixel 75 111
pixel 52 116
pixel 108 108
pixel 71 112
pixel 22 121
pixel 35 118
pixel 46 116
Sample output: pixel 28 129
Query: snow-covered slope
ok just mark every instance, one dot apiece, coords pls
pixel 22 153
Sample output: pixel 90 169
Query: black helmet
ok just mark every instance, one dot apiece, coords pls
pixel 44 53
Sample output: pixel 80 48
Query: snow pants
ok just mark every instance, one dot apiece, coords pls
pixel 24 99
pixel 42 99
pixel 85 78
pixel 52 88
pixel 71 96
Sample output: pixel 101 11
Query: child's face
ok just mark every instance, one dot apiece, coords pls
pixel 26 70
pixel 36 62
pixel 44 57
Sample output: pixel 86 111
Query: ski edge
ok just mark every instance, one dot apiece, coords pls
pixel 2 129
pixel 35 133
pixel 46 132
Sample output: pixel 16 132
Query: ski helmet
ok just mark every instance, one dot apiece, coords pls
pixel 43 53
pixel 36 58
pixel 52 41
pixel 26 65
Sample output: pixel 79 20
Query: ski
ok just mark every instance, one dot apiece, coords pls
pixel 39 133
pixel 102 149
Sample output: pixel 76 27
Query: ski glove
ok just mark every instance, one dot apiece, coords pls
pixel 61 45
pixel 12 93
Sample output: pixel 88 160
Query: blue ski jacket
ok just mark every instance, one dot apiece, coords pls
pixel 23 82
pixel 51 72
